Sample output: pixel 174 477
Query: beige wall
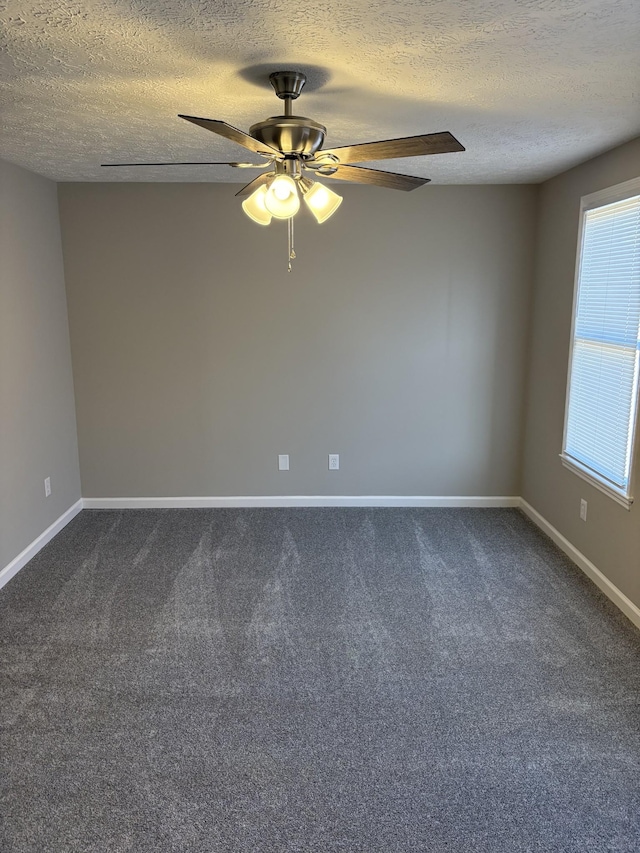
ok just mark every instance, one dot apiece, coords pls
pixel 611 536
pixel 37 417
pixel 398 341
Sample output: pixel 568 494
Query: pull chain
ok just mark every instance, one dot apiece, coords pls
pixel 292 252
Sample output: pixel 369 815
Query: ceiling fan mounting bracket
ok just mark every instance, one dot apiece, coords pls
pixel 288 84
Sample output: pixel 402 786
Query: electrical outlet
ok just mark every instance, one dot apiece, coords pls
pixel 283 462
pixel 334 461
pixel 583 509
pixel 47 487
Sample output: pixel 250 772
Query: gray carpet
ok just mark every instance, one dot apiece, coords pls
pixel 315 680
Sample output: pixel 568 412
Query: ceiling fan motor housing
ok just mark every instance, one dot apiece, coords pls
pixel 290 134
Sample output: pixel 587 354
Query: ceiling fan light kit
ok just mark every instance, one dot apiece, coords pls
pixel 292 150
pixel 281 199
pixel 321 201
pixel 255 207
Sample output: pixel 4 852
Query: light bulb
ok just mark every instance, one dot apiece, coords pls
pixel 254 206
pixel 281 190
pixel 322 201
pixel 281 199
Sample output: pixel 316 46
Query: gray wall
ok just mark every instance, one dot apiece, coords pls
pixel 37 416
pixel 398 341
pixel 611 536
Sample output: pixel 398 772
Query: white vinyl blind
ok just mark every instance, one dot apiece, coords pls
pixel 603 375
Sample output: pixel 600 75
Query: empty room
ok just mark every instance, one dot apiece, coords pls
pixel 319 378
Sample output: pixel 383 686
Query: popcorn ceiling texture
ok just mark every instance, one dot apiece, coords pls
pixel 530 87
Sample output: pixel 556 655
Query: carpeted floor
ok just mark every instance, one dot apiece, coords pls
pixel 314 680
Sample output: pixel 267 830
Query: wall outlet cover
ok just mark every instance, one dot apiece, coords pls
pixel 283 462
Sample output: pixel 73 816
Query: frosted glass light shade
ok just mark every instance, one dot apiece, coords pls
pixel 255 208
pixel 322 201
pixel 281 199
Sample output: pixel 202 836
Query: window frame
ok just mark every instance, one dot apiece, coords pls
pixel 610 195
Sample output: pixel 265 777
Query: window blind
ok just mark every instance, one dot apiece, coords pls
pixel 603 379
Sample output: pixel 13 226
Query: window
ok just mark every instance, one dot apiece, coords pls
pixel 602 393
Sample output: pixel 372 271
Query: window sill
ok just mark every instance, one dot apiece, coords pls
pixel 588 475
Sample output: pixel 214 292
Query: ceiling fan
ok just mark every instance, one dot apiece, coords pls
pixel 291 148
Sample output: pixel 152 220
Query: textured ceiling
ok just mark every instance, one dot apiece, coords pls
pixel 530 87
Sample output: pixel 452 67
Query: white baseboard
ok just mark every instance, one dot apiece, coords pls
pixel 298 500
pixel 31 550
pixel 630 610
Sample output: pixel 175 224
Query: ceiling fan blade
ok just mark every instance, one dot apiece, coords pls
pixel 389 149
pixel 254 184
pixel 391 180
pixel 232 133
pixel 196 163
